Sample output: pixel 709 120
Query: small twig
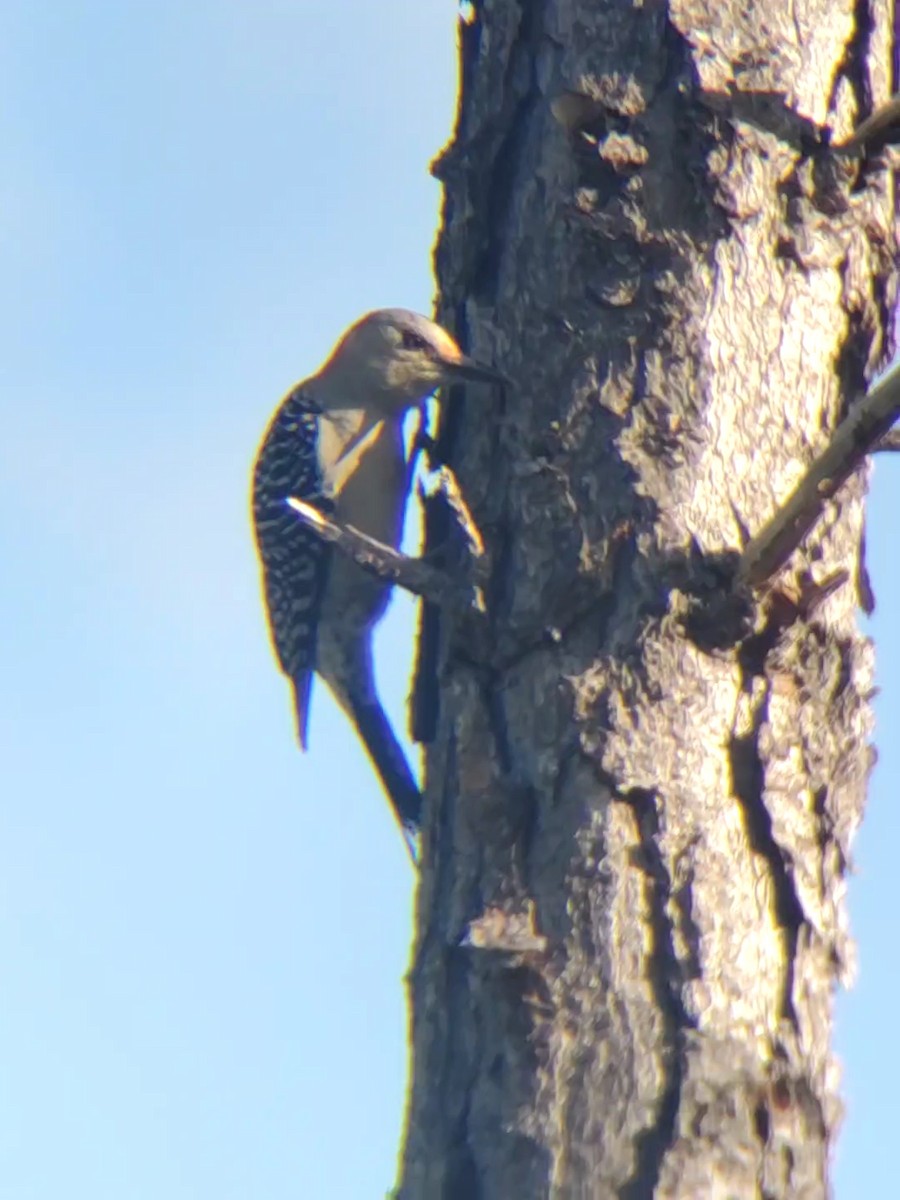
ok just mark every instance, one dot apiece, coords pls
pixel 879 129
pixel 480 565
pixel 889 444
pixel 413 574
pixel 448 485
pixel 869 419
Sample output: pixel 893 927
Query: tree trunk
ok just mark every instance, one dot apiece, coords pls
pixel 643 784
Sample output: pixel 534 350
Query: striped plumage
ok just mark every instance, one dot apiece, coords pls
pixel 295 561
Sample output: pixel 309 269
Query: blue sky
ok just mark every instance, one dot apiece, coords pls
pixel 204 935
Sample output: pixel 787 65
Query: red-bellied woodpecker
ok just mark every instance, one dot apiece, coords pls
pixel 336 442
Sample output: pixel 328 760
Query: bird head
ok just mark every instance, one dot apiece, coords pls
pixel 402 357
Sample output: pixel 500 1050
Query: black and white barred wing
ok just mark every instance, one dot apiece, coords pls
pixel 294 561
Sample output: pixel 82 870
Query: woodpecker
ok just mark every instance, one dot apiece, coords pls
pixel 336 442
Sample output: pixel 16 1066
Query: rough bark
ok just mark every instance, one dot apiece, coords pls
pixel 643 783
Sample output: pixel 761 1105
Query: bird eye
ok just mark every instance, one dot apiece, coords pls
pixel 412 341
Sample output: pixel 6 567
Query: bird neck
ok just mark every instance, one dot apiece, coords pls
pixel 340 391
pixel 349 423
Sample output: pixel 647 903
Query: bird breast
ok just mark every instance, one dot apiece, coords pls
pixel 363 472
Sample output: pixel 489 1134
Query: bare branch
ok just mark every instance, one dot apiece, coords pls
pixel 869 419
pixel 889 444
pixel 413 574
pixel 879 129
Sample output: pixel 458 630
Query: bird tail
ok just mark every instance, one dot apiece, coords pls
pixel 346 666
pixel 302 683
pixel 390 762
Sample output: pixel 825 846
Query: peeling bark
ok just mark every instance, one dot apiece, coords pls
pixel 642 788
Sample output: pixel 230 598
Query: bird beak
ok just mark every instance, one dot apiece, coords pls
pixel 467 368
